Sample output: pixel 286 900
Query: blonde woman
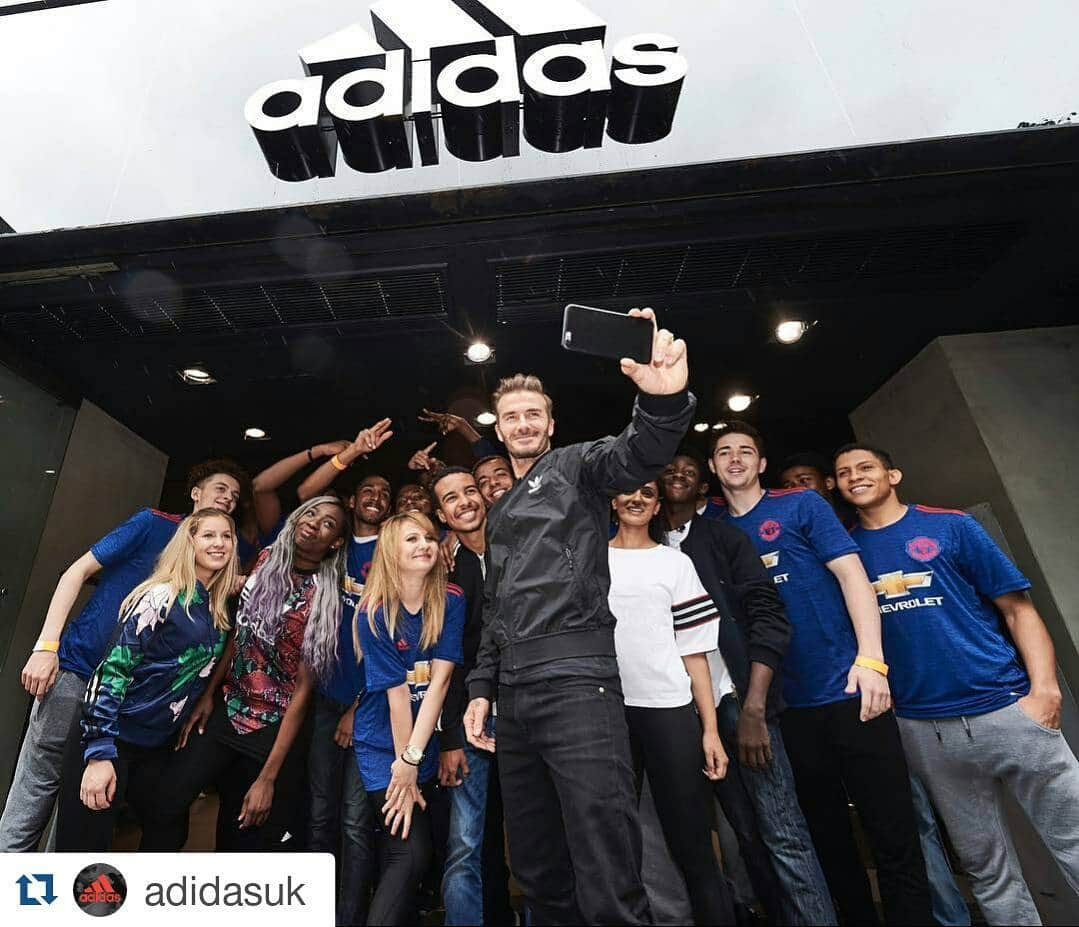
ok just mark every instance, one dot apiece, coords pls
pixel 172 631
pixel 408 627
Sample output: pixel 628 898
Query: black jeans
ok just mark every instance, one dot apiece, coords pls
pixel 567 786
pixel 340 821
pixel 213 758
pixel 402 863
pixel 835 755
pixel 665 743
pixel 139 773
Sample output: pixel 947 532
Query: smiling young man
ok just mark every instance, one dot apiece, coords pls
pixel 757 794
pixel 475 883
pixel 548 645
pixel 494 477
pixel 977 705
pixel 839 745
pixel 60 666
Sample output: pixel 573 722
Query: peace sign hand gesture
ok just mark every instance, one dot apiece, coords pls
pixel 668 371
pixel 371 439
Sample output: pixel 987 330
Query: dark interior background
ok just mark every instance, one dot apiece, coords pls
pixel 317 321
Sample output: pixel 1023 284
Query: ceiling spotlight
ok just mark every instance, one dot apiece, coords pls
pixel 486 418
pixel 50 473
pixel 197 376
pixel 791 331
pixel 718 426
pixel 701 426
pixel 255 434
pixel 739 402
pixel 479 352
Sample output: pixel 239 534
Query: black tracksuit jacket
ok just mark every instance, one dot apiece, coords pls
pixel 753 627
pixel 545 597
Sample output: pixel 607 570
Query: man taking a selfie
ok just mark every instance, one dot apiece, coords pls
pixel 548 645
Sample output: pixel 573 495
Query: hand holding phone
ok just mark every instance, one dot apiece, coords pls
pixel 651 357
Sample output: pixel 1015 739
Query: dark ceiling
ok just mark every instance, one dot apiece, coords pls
pixel 319 320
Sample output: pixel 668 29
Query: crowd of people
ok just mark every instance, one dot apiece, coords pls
pixel 499 656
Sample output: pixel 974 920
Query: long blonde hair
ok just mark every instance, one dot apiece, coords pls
pixel 175 568
pixel 383 587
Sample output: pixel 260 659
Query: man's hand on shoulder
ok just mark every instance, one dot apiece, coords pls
pixel 668 373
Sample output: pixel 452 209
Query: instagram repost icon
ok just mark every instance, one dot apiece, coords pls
pixel 100 890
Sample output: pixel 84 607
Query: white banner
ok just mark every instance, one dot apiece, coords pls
pixel 169 888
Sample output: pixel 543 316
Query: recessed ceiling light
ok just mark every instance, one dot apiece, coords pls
pixel 701 426
pixel 50 473
pixel 739 402
pixel 479 352
pixel 197 376
pixel 718 426
pixel 791 330
pixel 486 418
pixel 254 434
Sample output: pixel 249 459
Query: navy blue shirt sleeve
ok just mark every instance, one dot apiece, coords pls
pixel 120 543
pixel 983 564
pixel 449 644
pixel 822 528
pixel 383 664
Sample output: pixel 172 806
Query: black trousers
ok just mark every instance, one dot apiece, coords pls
pixel 835 755
pixel 402 863
pixel 497 909
pixel 139 773
pixel 571 816
pixel 665 743
pixel 213 758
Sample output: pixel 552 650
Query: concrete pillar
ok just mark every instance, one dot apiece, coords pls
pixel 990 423
pixel 108 473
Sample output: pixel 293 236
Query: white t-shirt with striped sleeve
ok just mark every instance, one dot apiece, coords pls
pixel 663 613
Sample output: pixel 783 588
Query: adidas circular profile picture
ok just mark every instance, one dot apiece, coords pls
pixel 100 889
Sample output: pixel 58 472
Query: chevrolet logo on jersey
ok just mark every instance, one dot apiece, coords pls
pixel 898 584
pixel 771 561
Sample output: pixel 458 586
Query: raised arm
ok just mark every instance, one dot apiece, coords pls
pixel 366 442
pixel 661 417
pixel 265 485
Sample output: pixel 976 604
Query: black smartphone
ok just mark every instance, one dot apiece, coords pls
pixel 606 333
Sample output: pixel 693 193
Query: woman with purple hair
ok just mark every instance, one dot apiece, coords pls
pixel 242 732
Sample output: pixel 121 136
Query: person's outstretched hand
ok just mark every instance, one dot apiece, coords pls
pixel 668 371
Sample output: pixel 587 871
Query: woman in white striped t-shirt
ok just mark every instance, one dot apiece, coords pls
pixel 667 624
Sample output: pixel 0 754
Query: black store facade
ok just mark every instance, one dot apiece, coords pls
pixel 344 199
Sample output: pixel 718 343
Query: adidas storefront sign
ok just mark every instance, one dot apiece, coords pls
pixel 481 68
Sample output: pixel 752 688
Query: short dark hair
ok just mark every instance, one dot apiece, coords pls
pixel 737 428
pixel 441 475
pixel 485 460
pixel 691 453
pixel 808 459
pixel 882 455
pixel 201 472
pixel 363 476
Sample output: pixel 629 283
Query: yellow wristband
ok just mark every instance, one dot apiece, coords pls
pixel 337 465
pixel 49 646
pixel 870 663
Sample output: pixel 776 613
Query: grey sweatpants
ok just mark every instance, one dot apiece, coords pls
pixel 960 761
pixel 37 776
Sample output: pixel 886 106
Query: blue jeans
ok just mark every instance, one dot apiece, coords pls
pixel 475 883
pixel 341 821
pixel 949 908
pixel 762 808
